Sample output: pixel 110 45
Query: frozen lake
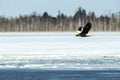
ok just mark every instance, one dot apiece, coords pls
pixel 60 51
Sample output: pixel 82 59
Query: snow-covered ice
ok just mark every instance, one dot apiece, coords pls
pixel 60 51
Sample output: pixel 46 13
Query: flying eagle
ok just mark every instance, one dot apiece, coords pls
pixel 83 31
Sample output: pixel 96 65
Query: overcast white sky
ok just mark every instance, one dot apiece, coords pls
pixel 68 7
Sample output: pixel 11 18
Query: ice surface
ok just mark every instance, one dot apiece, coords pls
pixel 60 51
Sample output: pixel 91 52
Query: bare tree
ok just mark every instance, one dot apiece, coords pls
pixel 35 22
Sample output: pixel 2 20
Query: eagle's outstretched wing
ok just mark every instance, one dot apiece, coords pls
pixel 86 28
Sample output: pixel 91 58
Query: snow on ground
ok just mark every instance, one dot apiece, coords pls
pixel 59 50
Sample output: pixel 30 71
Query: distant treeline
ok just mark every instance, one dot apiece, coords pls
pixel 36 22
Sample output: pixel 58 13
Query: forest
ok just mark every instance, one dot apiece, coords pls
pixel 46 23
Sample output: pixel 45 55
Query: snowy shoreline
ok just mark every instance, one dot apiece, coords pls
pixel 59 51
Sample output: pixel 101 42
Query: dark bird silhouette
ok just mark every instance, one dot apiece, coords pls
pixel 84 30
pixel 80 29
